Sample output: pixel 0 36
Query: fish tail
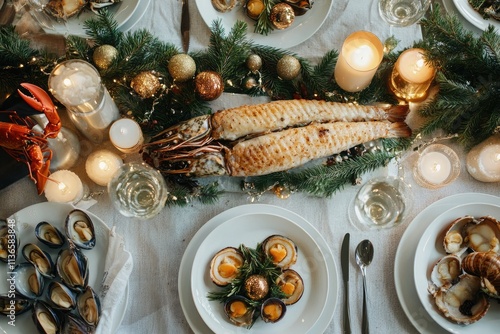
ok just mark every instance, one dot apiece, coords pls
pixel 397 113
pixel 399 129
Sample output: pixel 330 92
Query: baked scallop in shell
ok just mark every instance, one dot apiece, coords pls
pixel 239 311
pixel 272 310
pixel 292 285
pixel 281 250
pixel 225 265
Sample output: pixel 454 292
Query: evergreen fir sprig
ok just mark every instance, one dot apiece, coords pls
pixel 264 26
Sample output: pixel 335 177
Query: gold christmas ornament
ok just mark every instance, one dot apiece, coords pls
pixel 254 8
pixel 282 15
pixel 209 85
pixel 282 192
pixel 181 67
pixel 104 55
pixel 288 67
pixel 254 63
pixel 145 84
pixel 250 82
pixel 256 287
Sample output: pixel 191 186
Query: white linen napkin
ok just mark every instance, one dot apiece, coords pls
pixel 118 266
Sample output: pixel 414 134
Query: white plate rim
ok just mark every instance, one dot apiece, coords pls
pixel 122 11
pixel 136 16
pixel 403 262
pixel 279 225
pixel 425 249
pixel 184 284
pixel 473 16
pixel 302 28
pixel 60 209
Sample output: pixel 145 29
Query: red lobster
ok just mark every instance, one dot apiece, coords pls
pixel 27 145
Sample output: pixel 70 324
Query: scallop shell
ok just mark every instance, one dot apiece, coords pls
pixel 281 250
pixel 239 311
pixel 291 283
pixel 272 310
pixel 224 265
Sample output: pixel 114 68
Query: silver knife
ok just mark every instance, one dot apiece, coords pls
pixel 344 262
pixel 185 25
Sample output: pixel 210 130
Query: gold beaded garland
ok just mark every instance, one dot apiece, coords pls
pixel 282 15
pixel 145 84
pixel 209 85
pixel 181 67
pixel 288 67
pixel 104 55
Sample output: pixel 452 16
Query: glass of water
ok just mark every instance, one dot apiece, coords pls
pixel 138 190
pixel 402 13
pixel 381 202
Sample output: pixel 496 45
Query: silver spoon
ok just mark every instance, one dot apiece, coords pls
pixel 364 256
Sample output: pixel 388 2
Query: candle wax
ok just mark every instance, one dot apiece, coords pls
pixel 435 167
pixel 63 186
pixel 489 160
pixel 412 67
pixel 126 134
pixel 101 166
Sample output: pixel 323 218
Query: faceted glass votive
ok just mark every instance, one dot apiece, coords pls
pixel 138 190
pixel 437 166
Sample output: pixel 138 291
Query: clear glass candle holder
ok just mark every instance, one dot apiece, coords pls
pixel 138 190
pixel 437 166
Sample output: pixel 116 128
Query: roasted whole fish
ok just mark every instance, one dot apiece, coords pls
pixel 266 138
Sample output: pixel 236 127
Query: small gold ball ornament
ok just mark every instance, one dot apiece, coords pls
pixel 209 85
pixel 282 15
pixel 254 63
pixel 104 55
pixel 181 67
pixel 254 8
pixel 256 287
pixel 145 84
pixel 288 67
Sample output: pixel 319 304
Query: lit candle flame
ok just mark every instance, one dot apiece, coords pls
pixel 103 165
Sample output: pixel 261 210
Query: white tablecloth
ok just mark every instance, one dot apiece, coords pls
pixel 157 245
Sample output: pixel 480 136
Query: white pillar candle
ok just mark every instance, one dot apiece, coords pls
pixel 77 85
pixel 483 160
pixel 101 165
pixel 358 61
pixel 126 135
pixel 63 186
pixel 437 165
pixel 411 76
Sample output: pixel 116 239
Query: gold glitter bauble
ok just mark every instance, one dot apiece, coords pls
pixel 181 67
pixel 254 8
pixel 104 55
pixel 282 192
pixel 288 67
pixel 256 287
pixel 209 85
pixel 146 84
pixel 254 62
pixel 282 15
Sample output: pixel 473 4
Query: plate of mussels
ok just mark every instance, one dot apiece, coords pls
pixel 291 21
pixel 478 15
pixel 279 277
pixel 53 258
pixel 457 269
pixel 68 17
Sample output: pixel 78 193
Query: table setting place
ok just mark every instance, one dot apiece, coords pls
pixel 249 166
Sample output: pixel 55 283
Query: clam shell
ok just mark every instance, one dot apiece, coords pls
pixel 29 282
pixel 484 235
pixel 455 239
pixel 239 311
pixel 446 271
pixel 49 235
pixel 224 265
pixel 89 306
pixel 281 250
pixel 72 268
pixel 80 229
pixel 272 310
pixel 40 259
pixel 291 283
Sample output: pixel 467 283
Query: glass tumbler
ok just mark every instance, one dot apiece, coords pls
pixel 402 13
pixel 138 190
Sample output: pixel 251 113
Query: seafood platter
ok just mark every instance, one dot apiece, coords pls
pixel 457 269
pixel 234 286
pixel 69 16
pixel 53 283
pixel 288 22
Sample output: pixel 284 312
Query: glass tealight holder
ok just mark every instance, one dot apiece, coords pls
pixel 437 166
pixel 138 190
pixel 382 202
pixel 402 13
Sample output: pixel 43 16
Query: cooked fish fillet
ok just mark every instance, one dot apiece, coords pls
pixel 279 151
pixel 234 123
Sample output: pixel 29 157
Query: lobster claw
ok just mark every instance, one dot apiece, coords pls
pixel 41 101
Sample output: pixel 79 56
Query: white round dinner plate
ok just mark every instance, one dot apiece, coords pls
pixel 473 16
pixel 430 250
pixel 405 255
pixel 302 28
pixel 450 8
pixel 254 222
pixel 122 12
pixel 55 214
